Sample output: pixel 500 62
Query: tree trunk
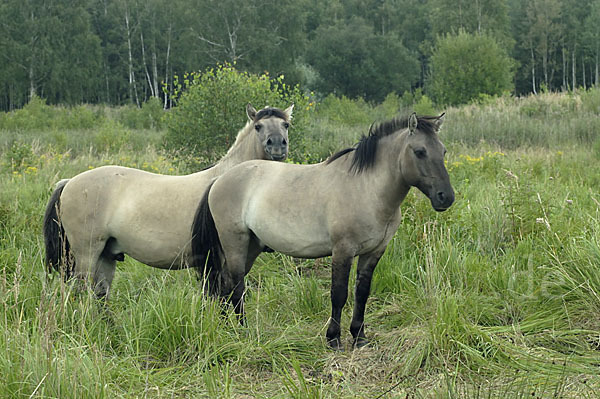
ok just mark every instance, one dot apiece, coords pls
pixel 31 81
pixel 167 64
pixel 564 70
pixel 583 70
pixel 154 70
pixel 106 72
pixel 533 70
pixel 596 76
pixel 145 65
pixel 132 85
pixel 545 67
pixel 573 69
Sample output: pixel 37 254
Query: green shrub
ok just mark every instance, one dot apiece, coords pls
pixel 149 116
pixel 418 102
pixel 18 155
pixel 424 106
pixel 391 106
pixel 591 100
pixel 36 115
pixel 210 110
pixel 465 65
pixel 111 136
pixel 345 111
pixel 79 117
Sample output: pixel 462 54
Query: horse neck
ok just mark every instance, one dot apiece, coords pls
pixel 385 176
pixel 245 148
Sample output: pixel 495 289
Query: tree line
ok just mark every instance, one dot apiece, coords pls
pixel 127 51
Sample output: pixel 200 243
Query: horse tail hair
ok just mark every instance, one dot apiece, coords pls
pixel 206 246
pixel 55 239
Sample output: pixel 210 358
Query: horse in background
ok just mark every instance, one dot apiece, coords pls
pixel 93 219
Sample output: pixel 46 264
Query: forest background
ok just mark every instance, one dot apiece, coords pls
pixel 126 51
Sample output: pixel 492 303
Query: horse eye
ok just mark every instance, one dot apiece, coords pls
pixel 420 152
pixel 286 125
pixel 257 127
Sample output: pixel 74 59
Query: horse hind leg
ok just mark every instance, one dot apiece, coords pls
pixel 95 263
pixel 237 251
pixel 103 275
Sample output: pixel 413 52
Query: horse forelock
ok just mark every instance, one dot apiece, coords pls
pixel 270 112
pixel 365 151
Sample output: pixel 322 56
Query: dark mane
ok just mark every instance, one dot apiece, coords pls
pixel 365 150
pixel 269 112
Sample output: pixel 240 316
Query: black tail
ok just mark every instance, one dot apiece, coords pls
pixel 206 246
pixel 57 245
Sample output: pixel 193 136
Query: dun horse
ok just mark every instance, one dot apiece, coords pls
pixel 345 207
pixel 96 217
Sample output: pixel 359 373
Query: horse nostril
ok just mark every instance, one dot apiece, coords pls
pixel 441 196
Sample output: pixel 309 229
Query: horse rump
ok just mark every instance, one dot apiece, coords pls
pixel 57 246
pixel 206 246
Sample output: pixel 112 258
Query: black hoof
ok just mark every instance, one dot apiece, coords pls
pixel 361 342
pixel 335 344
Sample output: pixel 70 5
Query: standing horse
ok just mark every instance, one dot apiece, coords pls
pixel 96 217
pixel 345 207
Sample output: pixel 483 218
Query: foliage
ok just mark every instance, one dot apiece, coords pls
pixel 352 60
pixel 211 110
pixel 463 66
pixel 366 48
pixel 344 110
pixel 149 116
pixel 490 16
pixel 37 115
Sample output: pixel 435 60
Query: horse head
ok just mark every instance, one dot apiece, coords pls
pixel 422 162
pixel 271 125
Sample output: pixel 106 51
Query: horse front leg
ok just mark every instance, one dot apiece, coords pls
pixel 340 271
pixel 364 274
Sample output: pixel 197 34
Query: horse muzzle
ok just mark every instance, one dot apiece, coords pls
pixel 280 157
pixel 442 200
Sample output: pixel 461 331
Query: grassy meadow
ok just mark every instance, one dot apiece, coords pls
pixel 499 297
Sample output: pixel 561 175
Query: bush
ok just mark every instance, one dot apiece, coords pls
pixel 149 116
pixel 345 111
pixel 418 102
pixel 111 137
pixel 210 110
pixel 591 100
pixel 464 66
pixel 37 115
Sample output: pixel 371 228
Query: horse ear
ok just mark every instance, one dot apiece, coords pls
pixel 288 112
pixel 250 111
pixel 412 122
pixel 439 121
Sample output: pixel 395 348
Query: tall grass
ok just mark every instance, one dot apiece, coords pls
pixel 499 297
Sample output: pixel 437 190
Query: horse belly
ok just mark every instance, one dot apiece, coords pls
pixel 299 241
pixel 155 238
pixel 163 254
